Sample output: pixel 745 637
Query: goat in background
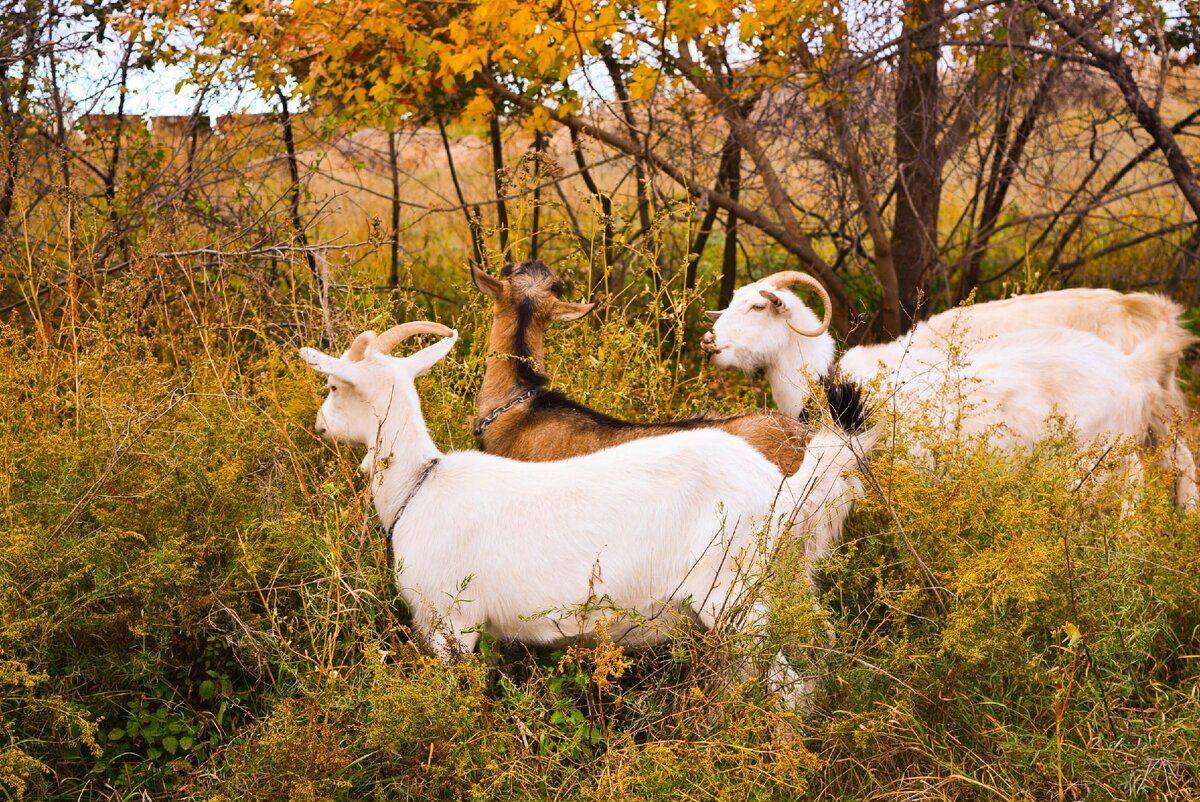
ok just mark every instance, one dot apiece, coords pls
pixel 1009 375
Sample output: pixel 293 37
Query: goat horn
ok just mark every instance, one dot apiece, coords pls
pixel 358 348
pixel 385 342
pixel 789 277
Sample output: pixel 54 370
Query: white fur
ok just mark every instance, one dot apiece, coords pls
pixel 1001 369
pixel 660 529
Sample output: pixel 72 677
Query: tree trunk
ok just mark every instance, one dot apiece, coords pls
pixel 605 205
pixel 472 219
pixel 498 181
pixel 394 166
pixel 16 111
pixel 918 166
pixel 289 144
pixel 539 145
pixel 710 214
pixel 639 164
pixel 729 256
pixel 1003 170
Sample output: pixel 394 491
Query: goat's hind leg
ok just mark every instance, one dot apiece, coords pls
pixel 1167 433
pixel 1178 459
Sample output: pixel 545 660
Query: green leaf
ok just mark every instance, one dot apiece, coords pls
pixel 186 742
pixel 208 690
pixel 116 734
pixel 170 744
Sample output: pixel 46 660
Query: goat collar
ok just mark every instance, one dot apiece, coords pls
pixel 490 418
pixel 412 491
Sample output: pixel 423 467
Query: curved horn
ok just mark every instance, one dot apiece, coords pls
pixel 358 348
pixel 789 277
pixel 385 342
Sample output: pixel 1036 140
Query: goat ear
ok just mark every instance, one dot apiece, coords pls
pixel 420 362
pixel 713 314
pixel 329 365
pixel 776 302
pixel 485 283
pixel 566 310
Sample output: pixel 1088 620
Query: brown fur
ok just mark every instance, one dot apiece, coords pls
pixel 549 426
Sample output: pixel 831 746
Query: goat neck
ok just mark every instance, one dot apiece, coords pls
pixel 516 355
pixel 401 451
pixel 793 370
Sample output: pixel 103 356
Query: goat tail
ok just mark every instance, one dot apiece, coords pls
pixel 1154 335
pixel 1151 316
pixel 819 495
pixel 1155 359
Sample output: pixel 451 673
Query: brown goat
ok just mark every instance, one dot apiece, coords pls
pixel 519 417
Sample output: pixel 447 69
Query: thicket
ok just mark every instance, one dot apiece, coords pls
pixel 196 603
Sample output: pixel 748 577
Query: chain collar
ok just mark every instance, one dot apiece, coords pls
pixel 412 491
pixel 490 418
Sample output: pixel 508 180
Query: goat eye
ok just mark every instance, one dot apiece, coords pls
pixel 758 307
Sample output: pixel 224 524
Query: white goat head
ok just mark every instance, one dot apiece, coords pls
pixel 366 384
pixel 763 319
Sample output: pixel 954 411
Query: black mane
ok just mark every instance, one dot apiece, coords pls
pixel 554 401
pixel 847 405
pixel 527 374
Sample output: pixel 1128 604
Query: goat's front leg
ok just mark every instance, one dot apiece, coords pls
pixel 446 637
pixel 796 689
pixel 777 676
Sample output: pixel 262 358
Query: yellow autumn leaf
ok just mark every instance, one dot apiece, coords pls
pixel 479 110
pixel 643 81
pixel 539 119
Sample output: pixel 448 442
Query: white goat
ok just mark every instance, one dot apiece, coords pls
pixel 1002 376
pixel 660 529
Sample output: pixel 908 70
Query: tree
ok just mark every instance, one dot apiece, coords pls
pixel 844 134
